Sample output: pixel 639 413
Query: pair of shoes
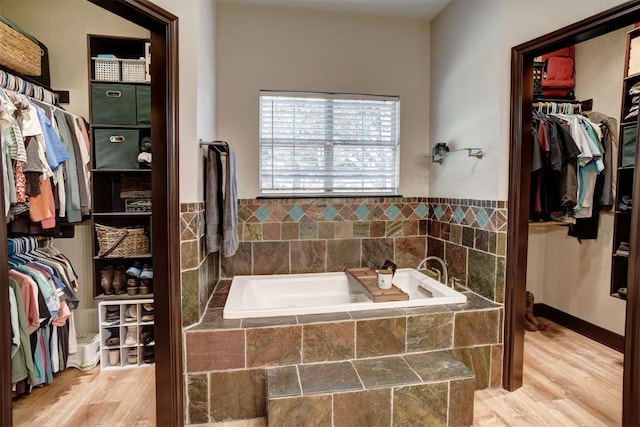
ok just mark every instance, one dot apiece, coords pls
pixel 133 276
pixel 146 335
pixel 147 312
pixel 112 315
pixel 623 292
pixel 132 356
pixel 114 357
pixel 114 338
pixel 623 249
pixel 106 279
pixel 148 354
pixel 530 322
pixel 119 283
pixel 146 280
pixel 131 313
pixel 626 203
pixel 132 335
pixel 112 280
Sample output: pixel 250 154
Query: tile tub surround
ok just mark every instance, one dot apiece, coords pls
pixel 470 235
pixel 231 357
pixel 323 235
pixel 199 272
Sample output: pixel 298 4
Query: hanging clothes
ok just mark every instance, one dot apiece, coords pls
pixel 46 154
pixel 44 287
pixel 572 173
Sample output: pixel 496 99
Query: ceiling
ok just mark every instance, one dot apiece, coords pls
pixel 421 9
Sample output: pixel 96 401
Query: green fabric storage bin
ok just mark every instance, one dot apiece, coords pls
pixel 113 104
pixel 116 148
pixel 629 138
pixel 143 105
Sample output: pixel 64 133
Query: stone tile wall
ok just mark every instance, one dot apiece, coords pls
pixel 471 236
pixel 199 272
pixel 316 235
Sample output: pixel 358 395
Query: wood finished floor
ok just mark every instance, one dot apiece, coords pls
pixel 569 380
pixel 78 399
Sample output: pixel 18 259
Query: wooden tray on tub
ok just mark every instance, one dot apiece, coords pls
pixel 367 278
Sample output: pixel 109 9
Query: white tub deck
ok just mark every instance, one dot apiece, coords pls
pixel 315 293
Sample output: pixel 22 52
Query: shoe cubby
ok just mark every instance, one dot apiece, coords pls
pixel 126 333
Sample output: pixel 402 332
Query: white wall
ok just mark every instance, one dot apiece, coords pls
pixel 197 116
pixel 67 45
pixel 464 101
pixel 471 45
pixel 268 48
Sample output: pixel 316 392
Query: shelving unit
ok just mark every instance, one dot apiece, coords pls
pixel 120 122
pixel 126 333
pixel 628 137
pixel 121 190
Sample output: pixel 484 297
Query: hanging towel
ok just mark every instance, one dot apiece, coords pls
pixel 230 211
pixel 214 200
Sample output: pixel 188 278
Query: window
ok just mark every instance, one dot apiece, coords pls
pixel 328 144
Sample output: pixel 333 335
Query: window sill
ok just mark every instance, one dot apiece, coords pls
pixel 326 196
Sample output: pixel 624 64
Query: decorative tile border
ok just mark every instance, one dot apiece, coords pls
pixel 338 210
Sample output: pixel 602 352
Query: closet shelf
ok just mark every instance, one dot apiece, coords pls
pixel 101 126
pixel 109 214
pixel 120 170
pixel 632 77
pixel 122 297
pixel 471 152
pixel 120 82
pixel 549 223
pixel 139 256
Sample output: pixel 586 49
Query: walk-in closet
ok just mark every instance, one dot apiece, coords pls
pixel 79 342
pixel 580 204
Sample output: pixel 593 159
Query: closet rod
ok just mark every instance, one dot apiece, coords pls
pixel 586 105
pixel 20 84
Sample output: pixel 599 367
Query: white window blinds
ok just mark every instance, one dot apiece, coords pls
pixel 328 144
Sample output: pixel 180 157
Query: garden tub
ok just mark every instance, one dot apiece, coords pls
pixel 315 293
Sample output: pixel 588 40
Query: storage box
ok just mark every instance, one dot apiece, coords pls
pixel 133 70
pixel 143 105
pixel 629 137
pixel 107 69
pixel 88 354
pixel 113 104
pixel 116 148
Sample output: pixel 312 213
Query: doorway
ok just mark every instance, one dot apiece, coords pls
pixel 522 58
pixel 163 27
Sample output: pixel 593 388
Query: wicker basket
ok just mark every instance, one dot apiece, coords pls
pixel 133 70
pixel 107 69
pixel 121 242
pixel 18 53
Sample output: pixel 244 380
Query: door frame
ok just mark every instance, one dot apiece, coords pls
pixel 518 206
pixel 165 226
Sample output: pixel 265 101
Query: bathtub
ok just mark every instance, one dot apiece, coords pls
pixel 315 293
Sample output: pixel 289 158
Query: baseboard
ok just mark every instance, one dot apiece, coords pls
pixel 596 333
